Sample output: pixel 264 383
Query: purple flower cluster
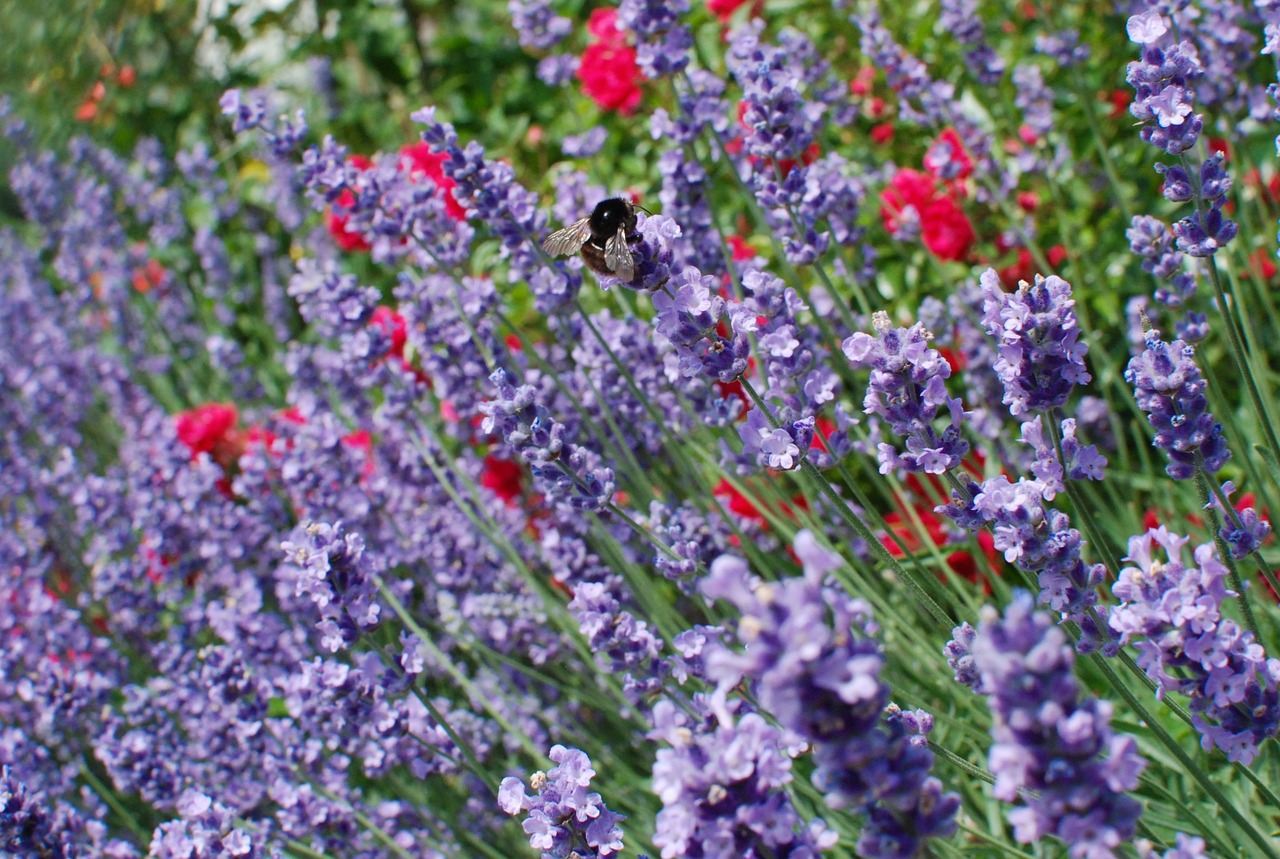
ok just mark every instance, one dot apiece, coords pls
pixel 1170 390
pixel 907 389
pixel 489 191
pixel 663 43
pixel 1164 86
pixel 26 828
pixel 1039 540
pixel 561 818
pixel 689 315
pixel 1041 356
pixel 815 664
pixel 1172 613
pixel 960 20
pixel 1206 230
pixel 780 122
pixel 1051 738
pixel 1152 240
pixel 1244 530
pixel 329 566
pixel 204 830
pixel 1082 462
pixel 537 27
pixel 566 470
pixel 723 784
pixel 624 645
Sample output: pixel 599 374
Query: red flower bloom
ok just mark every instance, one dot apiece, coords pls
pixel 724 9
pixel 361 440
pixel 961 562
pixel 1119 99
pixel 740 249
pixel 946 230
pixel 1262 263
pixel 503 477
pixel 210 429
pixel 420 160
pixel 907 189
pixel 603 27
pixel 882 133
pixel 608 70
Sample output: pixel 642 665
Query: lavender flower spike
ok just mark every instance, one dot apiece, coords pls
pixel 1050 738
pixel 1041 356
pixel 816 666
pixel 1170 390
pixel 907 389
pixel 1173 614
pixel 563 820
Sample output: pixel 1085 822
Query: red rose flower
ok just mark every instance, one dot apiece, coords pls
pixel 907 189
pixel 503 477
pixel 608 70
pixel 210 429
pixel 882 133
pixel 946 230
pixel 960 562
pixel 1262 263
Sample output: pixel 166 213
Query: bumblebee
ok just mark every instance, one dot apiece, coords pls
pixel 602 238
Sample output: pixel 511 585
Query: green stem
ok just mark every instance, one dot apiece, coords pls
pixel 842 510
pixel 1166 739
pixel 1224 551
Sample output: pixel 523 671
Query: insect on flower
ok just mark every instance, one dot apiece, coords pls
pixel 602 238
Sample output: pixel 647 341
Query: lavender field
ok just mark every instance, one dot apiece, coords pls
pixel 682 428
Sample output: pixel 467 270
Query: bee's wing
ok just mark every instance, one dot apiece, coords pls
pixel 569 240
pixel 617 256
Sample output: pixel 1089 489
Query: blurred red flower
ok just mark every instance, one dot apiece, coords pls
pixel 608 70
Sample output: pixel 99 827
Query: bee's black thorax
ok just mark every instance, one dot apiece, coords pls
pixel 608 216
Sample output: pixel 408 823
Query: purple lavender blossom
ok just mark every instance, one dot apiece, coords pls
pixel 1172 613
pixel 1041 356
pixel 1150 239
pixel 908 388
pixel 781 447
pixel 566 470
pixel 689 312
pixel 205 830
pixel 624 645
pixel 1170 390
pixel 329 566
pixel 1244 530
pixel 563 820
pixel 585 145
pixel 722 782
pixel 1163 82
pixel 1039 540
pixel 1185 847
pixel 1050 738
pixel 1083 462
pixel 26 827
pixel 663 43
pixel 815 665
pixel 959 19
pixel 537 27
pixel 960 657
